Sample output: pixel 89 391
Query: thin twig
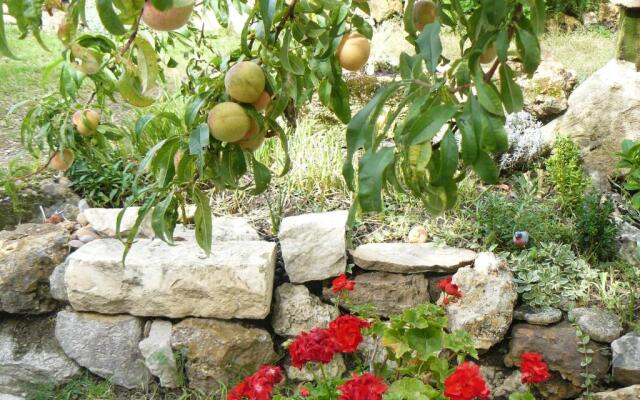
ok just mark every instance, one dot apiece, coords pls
pixel 39 170
pixel 284 19
pixel 133 35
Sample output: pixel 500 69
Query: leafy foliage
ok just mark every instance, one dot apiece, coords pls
pixel 596 232
pixel 630 163
pixel 566 173
pixel 551 274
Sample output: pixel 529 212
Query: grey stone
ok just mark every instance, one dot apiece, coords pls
pixel 546 93
pixel 218 351
pixel 489 295
pixel 30 355
pixel 57 286
pixel 559 347
pixel 234 281
pixel 502 383
pixel 434 289
pixel 10 397
pixel 626 359
pixel 388 293
pixel 601 325
pixel 28 255
pixel 627 3
pixel 310 372
pixel 158 355
pixel 314 246
pixel 628 393
pixel 628 237
pixel 538 316
pixel 75 244
pixel 83 204
pixel 104 221
pixel 411 257
pixel 385 9
pixel 105 345
pixel 295 310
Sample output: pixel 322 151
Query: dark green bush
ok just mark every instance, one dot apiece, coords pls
pixel 566 173
pixel 577 8
pixel 596 232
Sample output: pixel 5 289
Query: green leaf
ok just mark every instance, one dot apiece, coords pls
pixel 199 140
pixel 409 25
pixel 340 101
pixel 486 168
pixel 267 11
pixel 495 10
pixel 521 396
pixel 488 96
pixel 109 18
pixel 430 45
pixel 162 5
pixel 448 160
pixel 511 92
pixel 371 178
pixel 128 89
pixel 469 142
pixel 203 220
pixel 410 389
pixel 429 123
pixel 529 49
pixel 538 16
pixel 295 67
pixel 261 176
pixel 502 46
pixel 4 45
pixel 148 67
pixel 164 217
pixel 193 109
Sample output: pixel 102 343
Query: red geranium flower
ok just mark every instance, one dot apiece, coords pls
pixel 342 283
pixel 347 330
pixel 364 387
pixel 466 383
pixel 534 369
pixel 258 386
pixel 317 345
pixel 442 283
pixel 304 392
pixel 451 290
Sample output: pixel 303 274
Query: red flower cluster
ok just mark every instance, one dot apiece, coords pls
pixel 304 392
pixel 258 386
pixel 344 335
pixel 534 369
pixel 317 345
pixel 347 330
pixel 451 291
pixel 364 387
pixel 466 383
pixel 342 283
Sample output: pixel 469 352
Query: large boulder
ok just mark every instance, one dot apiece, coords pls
pixel 547 91
pixel 30 355
pixel 158 354
pixel 388 293
pixel 295 310
pixel 106 345
pixel 314 246
pixel 385 9
pixel 601 325
pixel 559 347
pixel 626 359
pixel 234 281
pixel 628 393
pixel 217 351
pixel 489 295
pixel 603 111
pixel 28 255
pixel 411 258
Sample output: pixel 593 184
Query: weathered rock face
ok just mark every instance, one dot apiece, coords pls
pixel 489 295
pixel 104 221
pixel 385 9
pixel 608 13
pixel 547 91
pixel 295 310
pixel 218 352
pixel 502 383
pixel 628 393
pixel 628 237
pixel 57 287
pixel 537 316
pixel 627 3
pixel 603 111
pixel 411 257
pixel 310 372
pixel 105 345
pixel 10 397
pixel 28 255
pixel 388 293
pixel 601 325
pixel 158 355
pixel 235 281
pixel 559 347
pixel 626 359
pixel 314 245
pixel 29 354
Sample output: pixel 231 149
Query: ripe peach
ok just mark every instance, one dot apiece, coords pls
pixel 86 122
pixel 228 122
pixel 245 82
pixel 353 51
pixel 167 20
pixel 263 102
pixel 61 161
pixel 424 13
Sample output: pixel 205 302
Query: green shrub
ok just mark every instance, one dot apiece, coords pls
pixel 576 8
pixel 566 173
pixel 499 216
pixel 596 232
pixel 630 161
pixel 552 274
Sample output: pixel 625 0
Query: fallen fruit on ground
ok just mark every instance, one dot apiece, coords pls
pixel 263 102
pixel 489 55
pixel 353 51
pixel 168 20
pixel 245 82
pixel 424 13
pixel 62 160
pixel 228 122
pixel 86 122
